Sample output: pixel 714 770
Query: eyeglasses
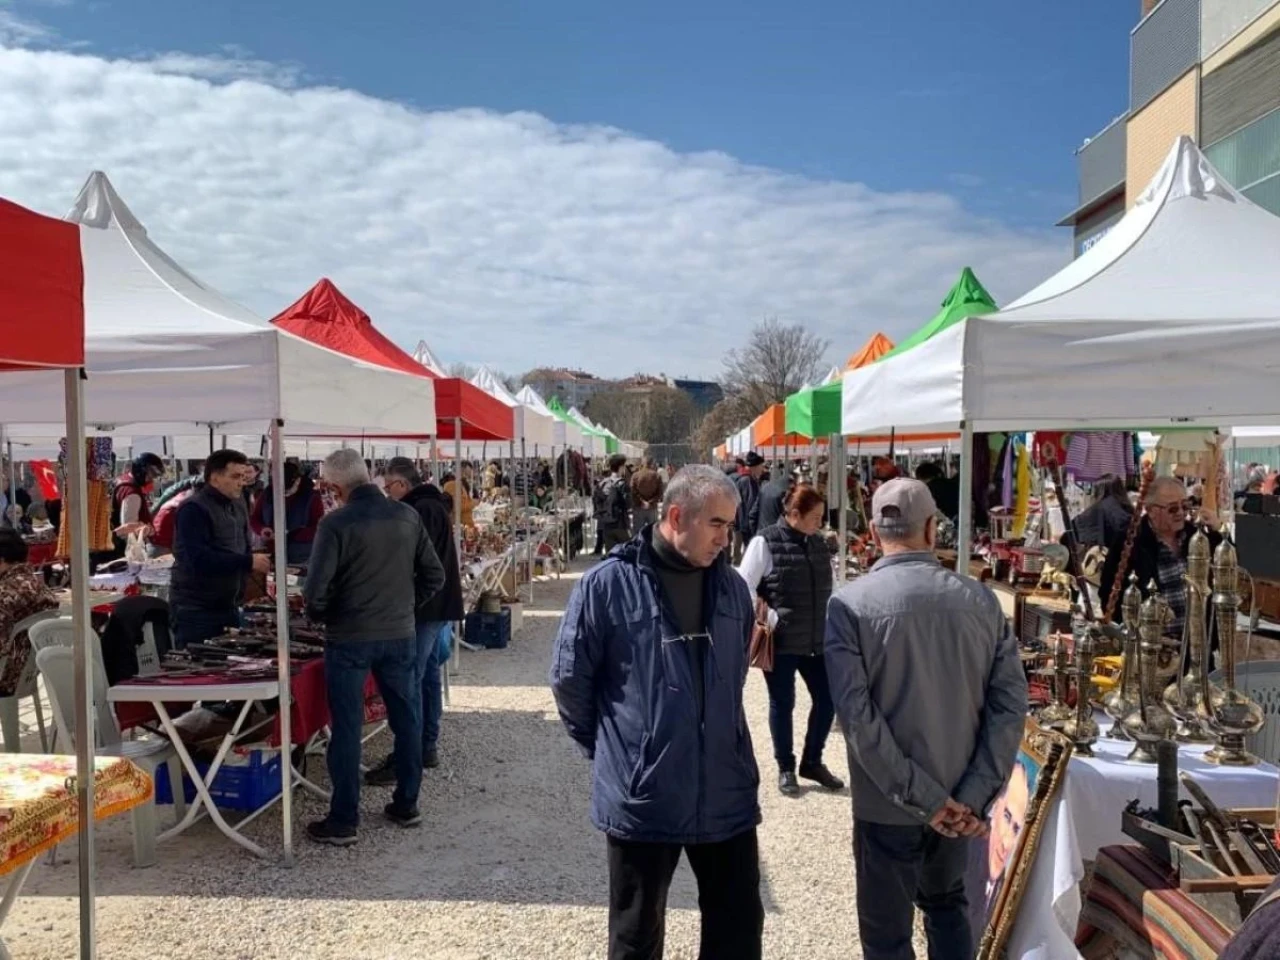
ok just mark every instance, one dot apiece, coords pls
pixel 1172 509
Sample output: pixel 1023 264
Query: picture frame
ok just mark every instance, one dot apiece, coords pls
pixel 999 864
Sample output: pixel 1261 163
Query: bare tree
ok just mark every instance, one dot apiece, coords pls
pixel 725 418
pixel 463 371
pixel 778 360
pixel 659 415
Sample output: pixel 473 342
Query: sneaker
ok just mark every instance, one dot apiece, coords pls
pixel 430 759
pixel 819 774
pixel 403 818
pixel 787 783
pixel 326 831
pixel 383 775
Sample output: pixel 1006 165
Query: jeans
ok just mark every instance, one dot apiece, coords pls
pixel 395 667
pixel 728 875
pixel 781 681
pixel 899 868
pixel 429 680
pixel 195 625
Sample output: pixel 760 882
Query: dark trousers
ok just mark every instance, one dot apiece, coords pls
pixel 900 868
pixel 198 625
pixel 781 681
pixel 394 663
pixel 429 680
pixel 728 897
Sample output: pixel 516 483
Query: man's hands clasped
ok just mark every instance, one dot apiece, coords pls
pixel 957 820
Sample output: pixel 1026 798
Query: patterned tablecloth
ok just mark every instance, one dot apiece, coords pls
pixel 38 801
pixel 1134 904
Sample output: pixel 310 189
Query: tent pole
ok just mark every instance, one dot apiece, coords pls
pixel 76 496
pixel 282 639
pixel 842 498
pixel 964 529
pixel 457 527
pixel 211 438
pixel 13 483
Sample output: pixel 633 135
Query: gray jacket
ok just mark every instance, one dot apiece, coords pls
pixel 372 566
pixel 926 678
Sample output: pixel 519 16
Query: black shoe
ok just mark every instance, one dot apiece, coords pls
pixel 384 774
pixel 403 818
pixel 820 775
pixel 430 758
pixel 326 831
pixel 787 783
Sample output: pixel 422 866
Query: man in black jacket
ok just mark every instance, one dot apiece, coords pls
pixel 748 521
pixel 434 621
pixel 372 567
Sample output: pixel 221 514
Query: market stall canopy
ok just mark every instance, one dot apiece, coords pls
pixel 530 425
pixel 871 351
pixel 966 298
pixel 770 429
pixel 165 350
pixel 1173 318
pixel 325 316
pixel 41 290
pixel 567 433
pixel 815 412
pixel 424 355
pixel 595 443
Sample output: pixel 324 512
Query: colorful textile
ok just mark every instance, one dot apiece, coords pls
pixel 38 800
pixel 23 593
pixel 1022 490
pixel 1092 456
pixel 1134 903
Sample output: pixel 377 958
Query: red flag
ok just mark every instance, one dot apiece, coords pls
pixel 47 477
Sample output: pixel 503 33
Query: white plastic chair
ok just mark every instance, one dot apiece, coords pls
pixel 27 687
pixel 1260 679
pixel 57 666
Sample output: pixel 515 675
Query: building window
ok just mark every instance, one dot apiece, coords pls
pixel 1249 159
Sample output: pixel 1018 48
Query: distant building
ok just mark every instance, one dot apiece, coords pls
pixel 705 393
pixel 573 387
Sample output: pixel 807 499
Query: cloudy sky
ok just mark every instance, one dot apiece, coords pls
pixel 513 237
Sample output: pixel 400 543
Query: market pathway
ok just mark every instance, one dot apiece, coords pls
pixel 505 866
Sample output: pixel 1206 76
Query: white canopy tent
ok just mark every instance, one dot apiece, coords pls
pixel 1172 319
pixel 170 355
pixel 563 434
pixel 531 426
pixel 425 356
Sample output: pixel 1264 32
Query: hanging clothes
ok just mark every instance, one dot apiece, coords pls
pixel 1092 456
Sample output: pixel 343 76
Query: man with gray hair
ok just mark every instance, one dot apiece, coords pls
pixel 648 673
pixel 931 696
pixel 372 567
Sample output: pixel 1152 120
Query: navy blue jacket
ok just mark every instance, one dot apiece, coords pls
pixel 622 678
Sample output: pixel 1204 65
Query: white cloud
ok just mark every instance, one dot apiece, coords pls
pixel 499 238
pixel 17 30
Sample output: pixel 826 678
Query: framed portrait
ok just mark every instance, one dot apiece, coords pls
pixel 1000 863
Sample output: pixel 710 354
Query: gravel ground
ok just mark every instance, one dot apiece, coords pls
pixel 505 867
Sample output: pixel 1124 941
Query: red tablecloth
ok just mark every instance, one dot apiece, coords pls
pixel 39 554
pixel 310 712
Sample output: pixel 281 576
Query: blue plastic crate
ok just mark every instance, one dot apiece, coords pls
pixel 242 786
pixel 489 630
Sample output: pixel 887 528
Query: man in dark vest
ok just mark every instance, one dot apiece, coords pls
pixel 211 550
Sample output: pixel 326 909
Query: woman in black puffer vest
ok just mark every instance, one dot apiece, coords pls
pixel 788 565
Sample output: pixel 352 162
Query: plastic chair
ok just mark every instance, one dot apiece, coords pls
pixel 62 633
pixel 57 666
pixel 1260 679
pixel 28 686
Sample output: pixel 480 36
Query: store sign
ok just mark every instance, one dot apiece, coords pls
pixel 1088 242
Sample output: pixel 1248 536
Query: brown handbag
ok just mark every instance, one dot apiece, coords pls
pixel 760 653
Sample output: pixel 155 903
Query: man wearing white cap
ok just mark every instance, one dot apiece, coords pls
pixel 931 696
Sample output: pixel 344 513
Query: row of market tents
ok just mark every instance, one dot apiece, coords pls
pixel 169 357
pixel 1169 322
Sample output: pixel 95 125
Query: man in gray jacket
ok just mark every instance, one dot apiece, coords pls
pixel 931 696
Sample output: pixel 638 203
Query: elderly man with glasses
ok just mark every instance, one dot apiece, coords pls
pixel 1159 549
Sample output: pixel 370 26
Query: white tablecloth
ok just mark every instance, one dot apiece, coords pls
pixel 1087 816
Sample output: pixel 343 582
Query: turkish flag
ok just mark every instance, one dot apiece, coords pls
pixel 47 477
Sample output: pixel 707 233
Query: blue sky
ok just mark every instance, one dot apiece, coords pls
pixel 987 98
pixel 577 164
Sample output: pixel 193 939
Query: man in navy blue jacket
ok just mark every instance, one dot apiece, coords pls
pixel 648 672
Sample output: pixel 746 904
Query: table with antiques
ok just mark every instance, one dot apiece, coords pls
pixel 38 809
pixel 1087 816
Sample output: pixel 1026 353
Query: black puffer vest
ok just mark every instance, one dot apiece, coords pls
pixel 798 587
pixel 230 526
